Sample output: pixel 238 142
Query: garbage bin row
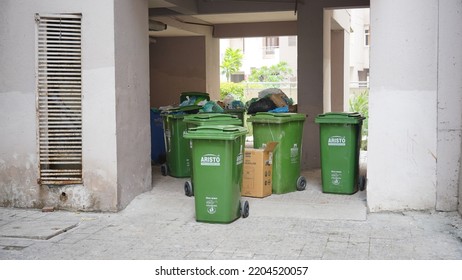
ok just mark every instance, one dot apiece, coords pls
pixel 210 149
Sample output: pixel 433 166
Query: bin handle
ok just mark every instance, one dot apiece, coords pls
pixel 214 127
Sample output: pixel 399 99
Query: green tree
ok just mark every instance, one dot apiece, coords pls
pixel 236 89
pixel 360 103
pixel 275 73
pixel 232 62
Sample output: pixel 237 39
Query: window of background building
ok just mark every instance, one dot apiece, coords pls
pixel 367 36
pixel 270 44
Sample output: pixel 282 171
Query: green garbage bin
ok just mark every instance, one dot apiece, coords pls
pixel 238 113
pixel 340 141
pixel 217 161
pixel 211 119
pixel 176 146
pixel 206 119
pixel 287 129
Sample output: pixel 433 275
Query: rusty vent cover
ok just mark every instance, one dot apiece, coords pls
pixel 59 98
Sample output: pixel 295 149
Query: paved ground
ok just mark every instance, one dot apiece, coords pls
pixel 160 224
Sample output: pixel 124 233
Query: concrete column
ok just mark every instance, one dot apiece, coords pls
pixel 337 70
pixel 327 61
pixel 403 105
pixel 18 120
pixel 310 77
pixel 132 100
pixel 346 70
pixel 212 66
pixel 449 104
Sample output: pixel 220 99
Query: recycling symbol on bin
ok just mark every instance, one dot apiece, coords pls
pixel 211 209
pixel 336 181
pixel 211 203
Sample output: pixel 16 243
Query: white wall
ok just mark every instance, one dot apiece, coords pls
pixel 403 100
pixel 288 53
pixel 132 99
pixel 253 56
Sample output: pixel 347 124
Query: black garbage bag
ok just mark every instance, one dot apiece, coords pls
pixel 261 105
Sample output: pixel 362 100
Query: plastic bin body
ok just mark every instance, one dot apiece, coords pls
pixel 177 147
pixel 157 137
pixel 217 160
pixel 209 119
pixel 340 141
pixel 287 129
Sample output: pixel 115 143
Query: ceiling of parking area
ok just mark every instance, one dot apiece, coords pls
pixel 213 12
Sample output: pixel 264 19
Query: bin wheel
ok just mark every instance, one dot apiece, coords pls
pixel 362 183
pixel 188 190
pixel 245 209
pixel 163 169
pixel 301 183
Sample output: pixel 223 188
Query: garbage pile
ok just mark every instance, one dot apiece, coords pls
pixel 271 100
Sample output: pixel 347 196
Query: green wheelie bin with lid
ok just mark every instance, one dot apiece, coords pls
pixel 201 119
pixel 176 146
pixel 240 113
pixel 287 129
pixel 217 162
pixel 340 141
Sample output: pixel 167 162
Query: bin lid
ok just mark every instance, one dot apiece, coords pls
pixel 215 132
pixel 212 118
pixel 266 117
pixel 200 95
pixel 340 117
pixel 182 110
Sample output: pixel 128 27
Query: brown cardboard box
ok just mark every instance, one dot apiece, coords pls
pixel 256 181
pixel 278 99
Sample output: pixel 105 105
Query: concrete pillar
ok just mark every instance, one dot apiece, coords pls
pixel 338 56
pixel 327 61
pixel 449 104
pixel 310 77
pixel 403 105
pixel 340 59
pixel 212 66
pixel 18 120
pixel 132 100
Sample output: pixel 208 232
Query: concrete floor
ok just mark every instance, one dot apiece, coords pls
pixel 160 224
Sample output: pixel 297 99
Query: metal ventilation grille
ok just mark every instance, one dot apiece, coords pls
pixel 59 94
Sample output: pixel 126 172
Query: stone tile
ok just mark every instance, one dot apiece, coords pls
pixel 198 255
pixel 160 224
pixel 238 255
pixel 335 237
pixel 220 255
pixel 335 251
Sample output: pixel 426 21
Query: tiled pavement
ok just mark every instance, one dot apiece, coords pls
pixel 160 224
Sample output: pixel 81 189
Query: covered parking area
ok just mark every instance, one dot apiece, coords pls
pixel 415 103
pixel 415 92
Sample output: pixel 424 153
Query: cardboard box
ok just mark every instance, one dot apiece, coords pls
pixel 256 179
pixel 278 99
